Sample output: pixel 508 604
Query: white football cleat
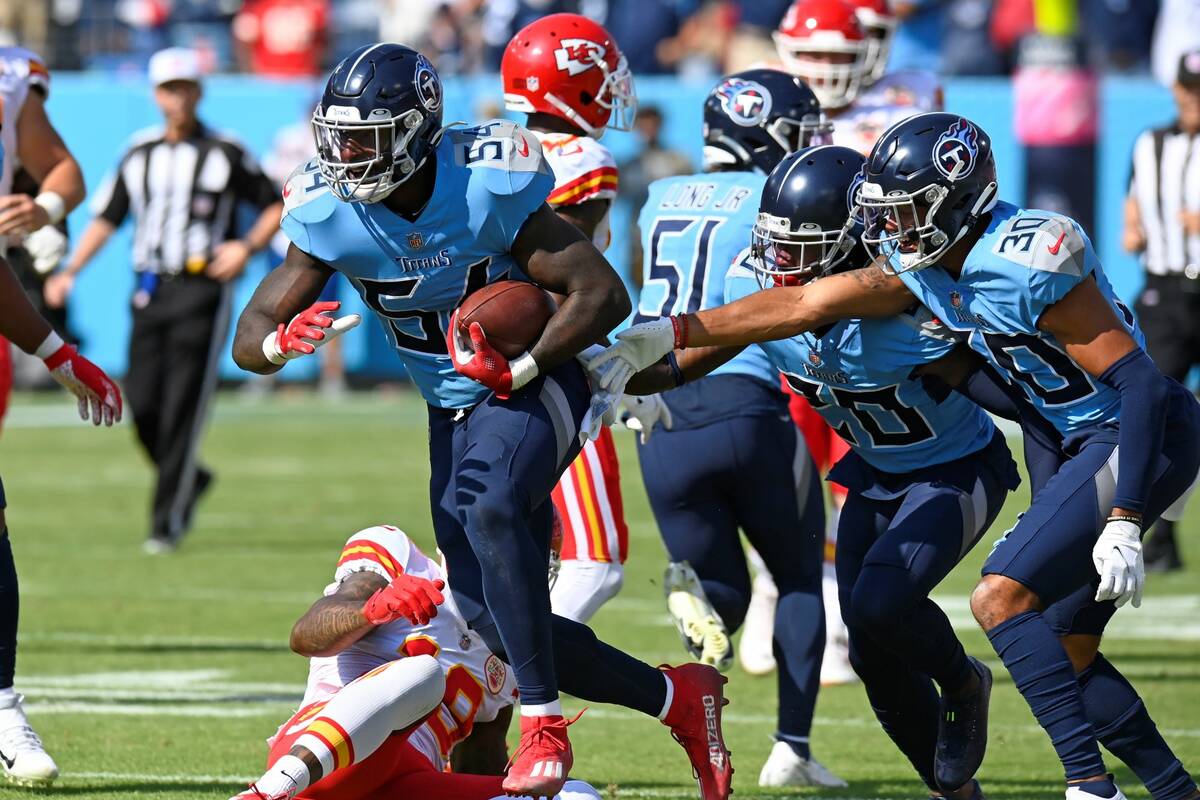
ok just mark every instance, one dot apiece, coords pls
pixel 26 762
pixel 699 625
pixel 756 648
pixel 1078 793
pixel 785 768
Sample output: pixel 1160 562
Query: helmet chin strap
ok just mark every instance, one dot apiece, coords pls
pixel 573 115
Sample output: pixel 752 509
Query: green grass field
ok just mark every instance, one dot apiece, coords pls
pixel 160 677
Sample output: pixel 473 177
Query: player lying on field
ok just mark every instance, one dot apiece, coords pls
pixel 1026 289
pixel 374 726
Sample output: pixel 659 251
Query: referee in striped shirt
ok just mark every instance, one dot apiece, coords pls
pixel 1162 223
pixel 182 184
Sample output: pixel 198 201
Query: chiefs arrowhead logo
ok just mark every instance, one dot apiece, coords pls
pixel 578 55
pixel 495 672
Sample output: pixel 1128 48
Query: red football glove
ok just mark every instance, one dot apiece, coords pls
pixel 307 331
pixel 480 361
pixel 415 599
pixel 88 383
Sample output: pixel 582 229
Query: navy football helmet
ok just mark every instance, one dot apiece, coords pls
pixel 929 179
pixel 752 119
pixel 379 118
pixel 808 219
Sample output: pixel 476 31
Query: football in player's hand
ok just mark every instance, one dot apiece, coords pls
pixel 513 315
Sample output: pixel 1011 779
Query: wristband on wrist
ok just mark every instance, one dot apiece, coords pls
pixel 523 369
pixel 676 373
pixel 270 349
pixel 1125 518
pixel 49 346
pixel 54 205
pixel 680 325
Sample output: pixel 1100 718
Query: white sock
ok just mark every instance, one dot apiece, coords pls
pixel 357 720
pixel 7 696
pixel 551 709
pixel 288 774
pixel 666 709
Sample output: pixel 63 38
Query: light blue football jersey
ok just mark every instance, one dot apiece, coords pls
pixel 1025 262
pixel 857 374
pixel 692 228
pixel 412 274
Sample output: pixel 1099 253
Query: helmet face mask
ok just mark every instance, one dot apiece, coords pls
pixel 782 256
pixel 902 226
pixel 378 121
pixel 835 72
pixel 569 67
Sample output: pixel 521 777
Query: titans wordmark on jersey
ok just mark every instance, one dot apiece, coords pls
pixel 692 227
pixel 857 375
pixel 413 273
pixel 1025 262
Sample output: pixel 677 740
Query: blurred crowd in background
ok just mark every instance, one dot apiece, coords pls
pixel 297 38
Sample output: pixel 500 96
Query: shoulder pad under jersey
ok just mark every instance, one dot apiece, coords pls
pixel 502 155
pixel 306 197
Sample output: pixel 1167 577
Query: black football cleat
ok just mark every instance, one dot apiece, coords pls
pixel 962 733
pixel 976 794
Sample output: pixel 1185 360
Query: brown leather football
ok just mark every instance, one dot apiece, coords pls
pixel 513 315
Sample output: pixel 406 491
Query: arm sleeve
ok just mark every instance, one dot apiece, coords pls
pixel 1144 394
pixel 111 202
pixel 250 183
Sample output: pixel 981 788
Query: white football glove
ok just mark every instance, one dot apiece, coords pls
pixel 47 247
pixel 642 412
pixel 638 347
pixel 1117 555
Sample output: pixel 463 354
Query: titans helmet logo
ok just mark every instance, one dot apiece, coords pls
pixel 428 85
pixel 853 197
pixel 745 102
pixel 957 150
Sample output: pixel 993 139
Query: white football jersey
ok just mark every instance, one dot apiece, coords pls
pixel 583 170
pixel 20 71
pixel 895 96
pixel 478 683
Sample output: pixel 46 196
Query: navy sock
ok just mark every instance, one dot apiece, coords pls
pixel 1043 675
pixel 799 646
pixel 905 703
pixel 598 673
pixel 9 609
pixel 1124 727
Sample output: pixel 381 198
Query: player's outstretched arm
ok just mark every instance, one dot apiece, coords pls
pixel 692 364
pixel 286 291
pixel 485 751
pixel 1087 326
pixel 556 256
pixel 335 622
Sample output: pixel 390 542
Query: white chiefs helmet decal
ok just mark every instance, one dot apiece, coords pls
pixel 578 55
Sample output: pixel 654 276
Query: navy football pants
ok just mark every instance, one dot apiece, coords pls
pixel 752 473
pixel 491 471
pixel 891 554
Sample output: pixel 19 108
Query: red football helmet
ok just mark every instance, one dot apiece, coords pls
pixel 569 66
pixel 822 42
pixel 879 23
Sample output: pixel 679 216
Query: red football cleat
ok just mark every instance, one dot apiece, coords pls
pixel 695 721
pixel 254 793
pixel 543 759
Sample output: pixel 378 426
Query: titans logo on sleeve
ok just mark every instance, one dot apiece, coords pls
pixel 692 229
pixel 857 375
pixel 413 273
pixel 1027 261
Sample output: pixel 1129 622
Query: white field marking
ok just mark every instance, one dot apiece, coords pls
pixel 39 589
pixel 1174 617
pixel 148 777
pixel 148 640
pixel 239 710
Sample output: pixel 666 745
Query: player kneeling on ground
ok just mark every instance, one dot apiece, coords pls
pixel 372 725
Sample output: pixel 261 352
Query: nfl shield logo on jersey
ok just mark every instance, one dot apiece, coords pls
pixel 416 240
pixel 813 358
pixel 955 151
pixel 956 299
pixel 746 102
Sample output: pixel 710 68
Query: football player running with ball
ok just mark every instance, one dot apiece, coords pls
pixel 417 216
pixel 1027 290
pixel 569 76
pixel 399 688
